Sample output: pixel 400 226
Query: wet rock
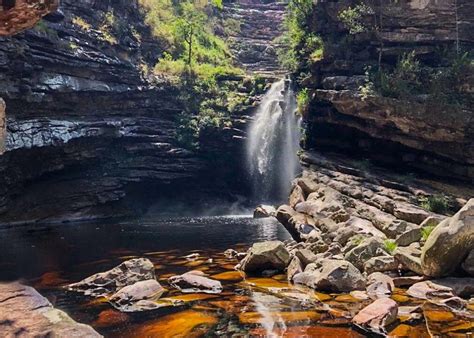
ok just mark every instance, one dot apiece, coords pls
pixel 331 275
pixel 449 243
pixel 378 315
pixel 381 264
pixel 409 258
pixel 468 264
pixel 285 215
pixel 368 248
pixel 109 282
pixel 128 298
pixel 379 285
pixel 25 313
pixel 296 196
pixel 264 211
pixel 266 255
pixel 294 268
pixel 195 281
pixel 308 185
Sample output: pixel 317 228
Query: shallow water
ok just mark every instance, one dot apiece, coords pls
pixel 49 257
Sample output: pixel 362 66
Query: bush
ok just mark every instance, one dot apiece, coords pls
pixel 436 203
pixel 353 18
pixel 426 232
pixel 303 99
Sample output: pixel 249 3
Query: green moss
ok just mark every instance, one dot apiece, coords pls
pixel 426 231
pixel 390 246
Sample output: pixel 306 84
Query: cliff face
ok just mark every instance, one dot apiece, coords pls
pixel 412 134
pixel 87 136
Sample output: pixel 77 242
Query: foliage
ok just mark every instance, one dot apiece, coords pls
pixel 426 232
pixel 390 246
pixel 435 203
pixel 353 18
pixel 303 99
pixel 82 23
pixel 405 80
pixel 296 43
pixel 42 27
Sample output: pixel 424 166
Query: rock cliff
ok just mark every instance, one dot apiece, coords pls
pixel 88 135
pixel 413 134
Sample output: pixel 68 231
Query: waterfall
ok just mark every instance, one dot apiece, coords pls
pixel 273 143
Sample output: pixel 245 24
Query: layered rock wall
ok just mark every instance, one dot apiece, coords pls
pixel 88 135
pixel 417 133
pixel 2 127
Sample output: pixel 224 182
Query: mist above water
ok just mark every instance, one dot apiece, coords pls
pixel 273 143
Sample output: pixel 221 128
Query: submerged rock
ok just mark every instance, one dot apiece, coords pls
pixel 131 298
pixel 378 315
pixel 331 275
pixel 195 281
pixel 264 211
pixel 266 256
pixel 108 282
pixel 449 243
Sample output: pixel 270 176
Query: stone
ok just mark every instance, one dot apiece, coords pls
pixel 331 275
pixel 378 315
pixel 379 285
pixel 264 211
pixel 307 185
pixel 106 283
pixel 409 259
pixel 407 280
pixel 25 313
pixel 449 243
pixel 368 248
pixel 409 236
pixel 468 264
pixel 3 127
pixel 410 213
pixel 296 196
pixel 429 290
pixel 306 256
pixel 264 256
pixel 294 268
pixel 381 264
pixel 127 298
pixel 285 215
pixel 195 281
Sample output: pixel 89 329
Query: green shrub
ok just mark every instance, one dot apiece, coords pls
pixel 303 99
pixel 353 18
pixel 426 231
pixel 435 203
pixel 390 246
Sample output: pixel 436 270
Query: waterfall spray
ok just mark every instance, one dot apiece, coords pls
pixel 273 143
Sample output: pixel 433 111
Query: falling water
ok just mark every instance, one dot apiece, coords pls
pixel 273 143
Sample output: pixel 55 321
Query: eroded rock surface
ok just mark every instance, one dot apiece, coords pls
pixel 24 312
pixel 271 255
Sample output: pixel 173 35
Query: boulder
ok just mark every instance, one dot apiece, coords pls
pixel 25 313
pixel 294 268
pixel 127 299
pixel 449 243
pixel 306 256
pixel 331 275
pixel 264 256
pixel 195 281
pixel 379 285
pixel 296 196
pixel 107 283
pixel 410 213
pixel 368 248
pixel 378 315
pixel 307 184
pixel 381 264
pixel 285 215
pixel 468 264
pixel 264 211
pixel 409 259
pixel 409 236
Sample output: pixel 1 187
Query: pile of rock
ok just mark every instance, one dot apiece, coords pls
pixel 132 286
pixel 351 235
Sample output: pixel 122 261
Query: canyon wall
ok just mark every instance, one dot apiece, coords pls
pixel 89 135
pixel 412 134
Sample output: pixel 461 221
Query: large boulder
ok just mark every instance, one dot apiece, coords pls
pixel 468 264
pixel 331 275
pixel 449 243
pixel 107 283
pixel 270 255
